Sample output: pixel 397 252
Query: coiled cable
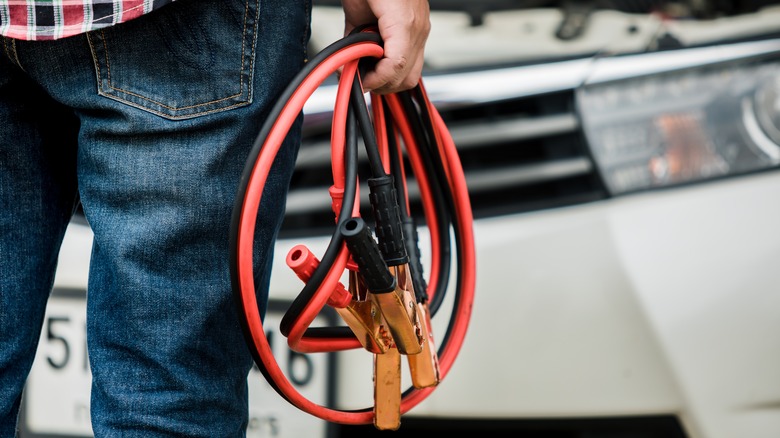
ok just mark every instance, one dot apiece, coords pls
pixel 407 118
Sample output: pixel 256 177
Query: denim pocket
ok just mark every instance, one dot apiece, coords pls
pixel 184 60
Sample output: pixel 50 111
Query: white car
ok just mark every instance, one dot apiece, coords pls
pixel 623 172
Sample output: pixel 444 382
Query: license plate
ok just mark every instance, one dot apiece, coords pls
pixel 57 393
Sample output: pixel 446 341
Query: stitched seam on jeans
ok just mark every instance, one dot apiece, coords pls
pixel 243 47
pixel 307 34
pixel 94 60
pixel 11 52
pixel 241 81
pixel 173 116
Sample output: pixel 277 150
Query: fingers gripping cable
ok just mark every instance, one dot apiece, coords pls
pixel 388 302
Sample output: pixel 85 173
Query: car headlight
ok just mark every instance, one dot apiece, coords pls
pixel 700 114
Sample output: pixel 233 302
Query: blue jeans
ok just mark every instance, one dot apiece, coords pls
pixel 148 125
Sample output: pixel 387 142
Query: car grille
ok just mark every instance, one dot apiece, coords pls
pixel 521 149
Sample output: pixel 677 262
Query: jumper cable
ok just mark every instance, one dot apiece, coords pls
pixel 388 302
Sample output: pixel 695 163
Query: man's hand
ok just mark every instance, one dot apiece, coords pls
pixel 404 26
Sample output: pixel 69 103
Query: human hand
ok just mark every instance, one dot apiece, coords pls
pixel 404 26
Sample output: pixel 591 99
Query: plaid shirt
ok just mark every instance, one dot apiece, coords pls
pixel 53 19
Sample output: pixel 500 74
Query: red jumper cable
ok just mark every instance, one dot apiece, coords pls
pixel 388 304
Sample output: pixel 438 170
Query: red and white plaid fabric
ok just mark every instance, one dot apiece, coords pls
pixel 53 19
